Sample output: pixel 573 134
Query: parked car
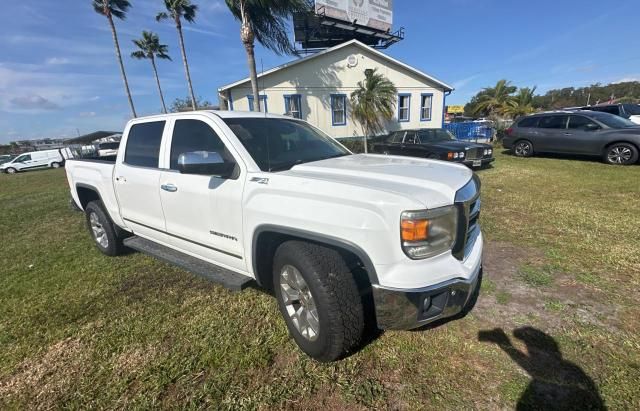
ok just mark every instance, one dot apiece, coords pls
pixel 108 149
pixel 245 198
pixel 628 111
pixel 6 157
pixel 438 144
pixel 33 160
pixel 615 139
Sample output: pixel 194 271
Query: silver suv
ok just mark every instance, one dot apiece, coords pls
pixel 615 139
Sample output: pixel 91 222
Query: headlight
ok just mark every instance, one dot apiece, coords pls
pixel 490 151
pixel 426 233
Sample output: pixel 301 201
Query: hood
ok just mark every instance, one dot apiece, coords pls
pixel 432 183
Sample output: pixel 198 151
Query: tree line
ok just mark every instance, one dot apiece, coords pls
pixel 504 100
pixel 264 21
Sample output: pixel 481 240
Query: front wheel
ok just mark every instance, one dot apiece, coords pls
pixel 621 154
pixel 11 170
pixel 523 148
pixel 55 165
pixel 319 299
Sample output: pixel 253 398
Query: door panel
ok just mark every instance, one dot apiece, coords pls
pixel 203 213
pixel 579 139
pixel 550 134
pixel 137 180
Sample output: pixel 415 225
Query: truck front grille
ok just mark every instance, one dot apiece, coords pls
pixel 469 204
pixel 475 153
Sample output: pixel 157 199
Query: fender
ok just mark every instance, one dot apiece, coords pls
pixel 89 187
pixel 315 237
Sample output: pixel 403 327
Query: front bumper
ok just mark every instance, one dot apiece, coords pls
pixel 400 309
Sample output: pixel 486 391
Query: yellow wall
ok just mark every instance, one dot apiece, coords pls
pixel 315 80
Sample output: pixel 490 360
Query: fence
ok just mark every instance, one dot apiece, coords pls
pixel 471 130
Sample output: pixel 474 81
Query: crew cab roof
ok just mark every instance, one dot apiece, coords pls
pixel 220 113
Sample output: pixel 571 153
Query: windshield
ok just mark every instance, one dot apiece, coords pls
pixel 613 121
pixel 279 144
pixel 435 135
pixel 632 109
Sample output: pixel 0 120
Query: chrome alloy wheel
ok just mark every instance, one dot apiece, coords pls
pixel 299 302
pixel 99 234
pixel 11 170
pixel 619 155
pixel 523 149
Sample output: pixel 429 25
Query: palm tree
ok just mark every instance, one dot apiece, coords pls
pixel 265 21
pixel 494 100
pixel 149 47
pixel 178 10
pixel 118 9
pixel 521 104
pixel 373 100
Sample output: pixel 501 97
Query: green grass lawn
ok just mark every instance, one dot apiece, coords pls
pixel 557 320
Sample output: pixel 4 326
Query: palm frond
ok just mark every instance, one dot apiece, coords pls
pixel 373 101
pixel 138 54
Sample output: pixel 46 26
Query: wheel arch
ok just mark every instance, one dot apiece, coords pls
pixel 618 141
pixel 267 238
pixel 86 194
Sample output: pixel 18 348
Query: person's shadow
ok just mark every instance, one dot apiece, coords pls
pixel 556 383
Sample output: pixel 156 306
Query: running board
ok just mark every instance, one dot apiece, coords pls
pixel 227 278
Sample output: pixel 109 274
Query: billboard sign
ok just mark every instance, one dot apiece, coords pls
pixel 377 14
pixel 455 109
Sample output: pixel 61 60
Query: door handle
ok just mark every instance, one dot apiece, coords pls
pixel 121 179
pixel 169 187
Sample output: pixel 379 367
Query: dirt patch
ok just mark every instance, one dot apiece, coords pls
pixel 47 377
pixel 513 301
pixel 134 360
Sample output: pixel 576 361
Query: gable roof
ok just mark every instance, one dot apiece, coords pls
pixel 363 46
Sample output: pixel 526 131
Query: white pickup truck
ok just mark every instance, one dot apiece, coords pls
pixel 341 239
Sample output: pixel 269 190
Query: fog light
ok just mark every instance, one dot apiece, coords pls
pixel 426 304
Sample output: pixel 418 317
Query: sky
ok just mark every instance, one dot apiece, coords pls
pixel 59 75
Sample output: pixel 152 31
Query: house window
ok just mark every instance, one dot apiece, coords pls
pixel 293 105
pixel 426 103
pixel 263 103
pixel 338 109
pixel 404 104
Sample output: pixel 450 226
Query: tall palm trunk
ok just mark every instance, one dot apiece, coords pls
pixel 366 133
pixel 155 72
pixel 186 65
pixel 247 36
pixel 124 75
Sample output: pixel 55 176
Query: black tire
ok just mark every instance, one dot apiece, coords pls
pixel 621 154
pixel 523 148
pixel 10 170
pixel 113 244
pixel 333 292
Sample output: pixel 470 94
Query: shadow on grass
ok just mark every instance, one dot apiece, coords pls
pixel 555 382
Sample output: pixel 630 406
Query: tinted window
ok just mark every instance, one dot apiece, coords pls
pixel 143 144
pixel 396 137
pixel 553 122
pixel 195 135
pixel 276 144
pixel 108 146
pixel 607 109
pixel 411 138
pixel 433 135
pixel 579 122
pixel 613 121
pixel 529 122
pixel 26 157
pixel 632 109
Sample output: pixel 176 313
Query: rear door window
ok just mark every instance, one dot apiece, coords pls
pixel 396 138
pixel 553 122
pixel 529 122
pixel 143 144
pixel 411 138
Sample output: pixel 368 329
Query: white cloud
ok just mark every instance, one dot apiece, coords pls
pixel 56 61
pixel 628 79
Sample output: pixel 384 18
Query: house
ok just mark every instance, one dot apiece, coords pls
pixel 316 88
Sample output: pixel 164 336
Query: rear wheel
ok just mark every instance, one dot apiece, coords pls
pixel 621 154
pixel 55 165
pixel 11 170
pixel 319 299
pixel 102 229
pixel 523 148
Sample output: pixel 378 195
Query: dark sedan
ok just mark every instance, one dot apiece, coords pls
pixel 435 143
pixel 614 139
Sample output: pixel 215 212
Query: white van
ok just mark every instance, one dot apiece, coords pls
pixel 33 160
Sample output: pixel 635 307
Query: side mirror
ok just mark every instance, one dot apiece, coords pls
pixel 208 163
pixel 591 127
